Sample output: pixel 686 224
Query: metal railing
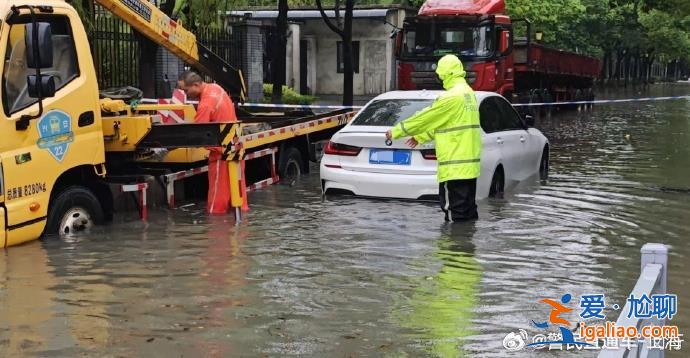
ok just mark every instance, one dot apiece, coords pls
pixel 652 280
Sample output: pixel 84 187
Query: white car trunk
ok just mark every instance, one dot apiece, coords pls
pixel 373 138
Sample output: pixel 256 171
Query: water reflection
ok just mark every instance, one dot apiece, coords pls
pixel 442 306
pixel 359 277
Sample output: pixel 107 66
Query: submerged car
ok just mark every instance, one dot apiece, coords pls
pixel 357 160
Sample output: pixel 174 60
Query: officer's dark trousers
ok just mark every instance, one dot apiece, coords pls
pixel 457 199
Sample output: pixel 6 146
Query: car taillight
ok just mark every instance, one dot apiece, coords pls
pixel 429 154
pixel 342 149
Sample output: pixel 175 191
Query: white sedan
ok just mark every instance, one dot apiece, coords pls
pixel 357 160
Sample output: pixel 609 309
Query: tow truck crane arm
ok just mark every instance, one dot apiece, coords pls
pixel 161 29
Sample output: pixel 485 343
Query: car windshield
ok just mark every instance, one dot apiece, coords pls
pixel 389 112
pixel 426 40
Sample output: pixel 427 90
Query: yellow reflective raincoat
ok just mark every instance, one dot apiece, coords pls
pixel 452 121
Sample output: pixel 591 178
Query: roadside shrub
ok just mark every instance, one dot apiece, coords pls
pixel 290 96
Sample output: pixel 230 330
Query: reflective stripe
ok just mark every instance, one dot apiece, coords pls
pixel 402 126
pixel 459 128
pixel 465 161
pixel 215 187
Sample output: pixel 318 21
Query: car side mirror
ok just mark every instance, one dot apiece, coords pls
pixel 529 120
pixel 41 87
pixel 39 45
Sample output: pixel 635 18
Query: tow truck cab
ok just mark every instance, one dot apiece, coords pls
pixel 52 142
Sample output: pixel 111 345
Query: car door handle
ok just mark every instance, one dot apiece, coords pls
pixel 499 140
pixel 522 139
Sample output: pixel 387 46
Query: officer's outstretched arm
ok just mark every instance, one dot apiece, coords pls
pixel 423 123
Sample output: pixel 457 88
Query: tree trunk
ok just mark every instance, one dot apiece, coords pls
pixel 345 33
pixel 619 62
pixel 348 59
pixel 603 75
pixel 279 52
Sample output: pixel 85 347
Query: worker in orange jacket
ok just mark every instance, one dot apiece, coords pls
pixel 215 106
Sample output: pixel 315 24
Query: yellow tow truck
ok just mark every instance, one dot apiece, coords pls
pixel 59 139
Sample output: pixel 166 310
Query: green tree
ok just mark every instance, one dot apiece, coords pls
pixel 201 13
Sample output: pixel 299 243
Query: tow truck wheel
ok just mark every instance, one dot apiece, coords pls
pixel 290 165
pixel 75 209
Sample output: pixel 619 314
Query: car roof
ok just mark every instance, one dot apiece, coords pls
pixel 425 94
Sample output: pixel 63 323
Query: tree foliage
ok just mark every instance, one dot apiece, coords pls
pixel 595 27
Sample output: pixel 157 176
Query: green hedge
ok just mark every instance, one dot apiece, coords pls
pixel 290 96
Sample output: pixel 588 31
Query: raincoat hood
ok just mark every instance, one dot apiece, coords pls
pixel 450 70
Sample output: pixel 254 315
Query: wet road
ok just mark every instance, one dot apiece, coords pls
pixel 355 277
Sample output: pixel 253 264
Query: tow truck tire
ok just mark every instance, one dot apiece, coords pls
pixel 290 163
pixel 74 209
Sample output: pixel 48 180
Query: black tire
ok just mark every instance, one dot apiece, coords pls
pixel 74 208
pixel 544 164
pixel 290 163
pixel 497 184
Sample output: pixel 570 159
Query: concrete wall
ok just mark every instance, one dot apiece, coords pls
pixel 252 60
pixel 375 56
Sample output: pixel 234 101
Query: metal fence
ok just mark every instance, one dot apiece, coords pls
pixel 652 280
pixel 226 43
pixel 116 52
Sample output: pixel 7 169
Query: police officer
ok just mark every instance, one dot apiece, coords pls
pixel 453 122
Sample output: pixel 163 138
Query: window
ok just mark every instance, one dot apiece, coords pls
pixel 388 113
pixel 489 116
pixel 15 95
pixel 510 120
pixel 355 57
pixel 427 40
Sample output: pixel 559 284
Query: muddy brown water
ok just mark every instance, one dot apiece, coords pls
pixel 359 277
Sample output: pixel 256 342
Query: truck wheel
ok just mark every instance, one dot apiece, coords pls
pixel 74 209
pixel 290 163
pixel 497 184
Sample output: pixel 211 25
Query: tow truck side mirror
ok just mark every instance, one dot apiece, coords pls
pixel 46 85
pixel 39 45
pixel 39 54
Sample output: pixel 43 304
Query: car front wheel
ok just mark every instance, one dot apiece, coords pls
pixel 497 184
pixel 544 164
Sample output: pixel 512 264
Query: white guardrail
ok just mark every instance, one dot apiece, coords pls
pixel 652 280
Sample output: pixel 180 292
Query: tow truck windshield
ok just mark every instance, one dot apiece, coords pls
pixel 435 40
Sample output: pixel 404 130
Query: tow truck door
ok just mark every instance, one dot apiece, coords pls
pixel 3 226
pixel 68 132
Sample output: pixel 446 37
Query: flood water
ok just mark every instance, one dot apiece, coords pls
pixel 357 277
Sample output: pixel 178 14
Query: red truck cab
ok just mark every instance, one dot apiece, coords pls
pixel 478 31
pixel 481 34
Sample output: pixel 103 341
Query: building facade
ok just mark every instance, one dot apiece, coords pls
pixel 314 51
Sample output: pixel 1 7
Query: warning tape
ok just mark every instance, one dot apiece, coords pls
pixel 265 105
pixel 298 106
pixel 601 101
pixel 308 107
